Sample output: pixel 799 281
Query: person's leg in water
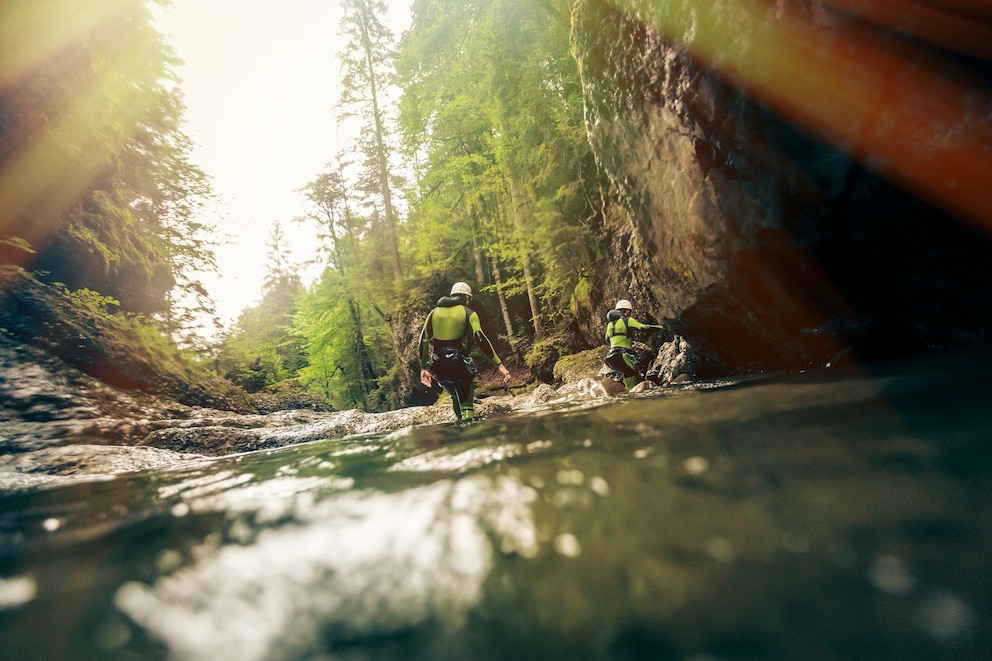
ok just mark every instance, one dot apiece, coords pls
pixel 466 398
pixel 459 382
pixel 452 391
pixel 626 364
pixel 462 398
pixel 635 378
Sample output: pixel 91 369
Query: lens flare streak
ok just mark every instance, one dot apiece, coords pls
pixel 909 112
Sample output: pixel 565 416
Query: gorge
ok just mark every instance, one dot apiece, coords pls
pixel 797 180
pixel 799 193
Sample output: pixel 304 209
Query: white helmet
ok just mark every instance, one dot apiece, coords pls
pixel 624 304
pixel 461 288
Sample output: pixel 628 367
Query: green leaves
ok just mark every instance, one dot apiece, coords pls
pixel 94 169
pixel 504 189
pixel 367 64
pixel 492 106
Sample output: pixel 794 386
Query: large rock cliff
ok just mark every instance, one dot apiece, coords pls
pixel 797 183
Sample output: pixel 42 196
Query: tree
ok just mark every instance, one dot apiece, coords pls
pixel 94 171
pixel 331 320
pixel 505 188
pixel 367 62
pixel 492 115
pixel 262 348
pixel 340 358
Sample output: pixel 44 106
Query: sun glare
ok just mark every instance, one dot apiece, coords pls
pixel 52 156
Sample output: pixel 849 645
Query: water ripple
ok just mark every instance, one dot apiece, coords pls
pixel 355 563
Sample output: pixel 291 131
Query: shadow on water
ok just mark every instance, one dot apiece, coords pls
pixel 843 515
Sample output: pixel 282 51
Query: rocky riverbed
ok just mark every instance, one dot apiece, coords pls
pixel 834 515
pixel 59 423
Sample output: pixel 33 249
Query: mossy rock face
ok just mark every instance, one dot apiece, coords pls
pixel 209 391
pixel 586 364
pixel 118 351
pixel 543 356
pixel 765 246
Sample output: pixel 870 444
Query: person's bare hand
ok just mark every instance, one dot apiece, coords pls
pixel 425 378
pixel 505 372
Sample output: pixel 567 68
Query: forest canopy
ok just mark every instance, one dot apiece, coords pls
pixel 472 164
pixel 96 182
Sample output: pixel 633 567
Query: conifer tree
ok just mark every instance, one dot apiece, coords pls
pixel 94 170
pixel 332 316
pixel 367 62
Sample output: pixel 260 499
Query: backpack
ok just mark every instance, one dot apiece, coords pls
pixel 614 316
pixel 466 333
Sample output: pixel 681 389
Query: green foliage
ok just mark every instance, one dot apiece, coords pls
pixel 504 195
pixel 94 301
pixel 262 350
pixel 581 300
pixel 86 330
pixel 255 370
pixel 333 368
pixel 349 348
pixel 367 62
pixel 95 172
pixel 492 110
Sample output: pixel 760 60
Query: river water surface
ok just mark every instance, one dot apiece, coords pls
pixel 842 515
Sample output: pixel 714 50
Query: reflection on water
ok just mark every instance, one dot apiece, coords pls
pixel 809 517
pixel 359 562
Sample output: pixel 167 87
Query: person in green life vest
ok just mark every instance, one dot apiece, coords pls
pixel 444 347
pixel 621 356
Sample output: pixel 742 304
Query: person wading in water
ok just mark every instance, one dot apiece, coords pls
pixel 444 347
pixel 622 357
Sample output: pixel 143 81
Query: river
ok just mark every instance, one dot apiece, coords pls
pixel 836 515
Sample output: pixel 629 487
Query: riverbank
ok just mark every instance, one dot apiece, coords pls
pixel 59 423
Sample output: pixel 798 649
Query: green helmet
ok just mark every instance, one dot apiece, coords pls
pixel 461 288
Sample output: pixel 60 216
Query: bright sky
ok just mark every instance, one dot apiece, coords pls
pixel 261 83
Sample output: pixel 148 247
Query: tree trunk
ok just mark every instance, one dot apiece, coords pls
pixel 519 208
pixel 518 203
pixel 392 244
pixel 367 373
pixel 480 273
pixel 507 322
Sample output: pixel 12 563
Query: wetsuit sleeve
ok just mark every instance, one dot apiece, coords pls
pixel 425 340
pixel 480 338
pixel 634 323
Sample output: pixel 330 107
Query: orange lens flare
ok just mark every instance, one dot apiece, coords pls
pixel 908 112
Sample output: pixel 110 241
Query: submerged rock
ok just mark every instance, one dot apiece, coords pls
pixel 50 465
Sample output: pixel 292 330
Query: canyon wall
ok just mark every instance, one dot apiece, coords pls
pixel 792 187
